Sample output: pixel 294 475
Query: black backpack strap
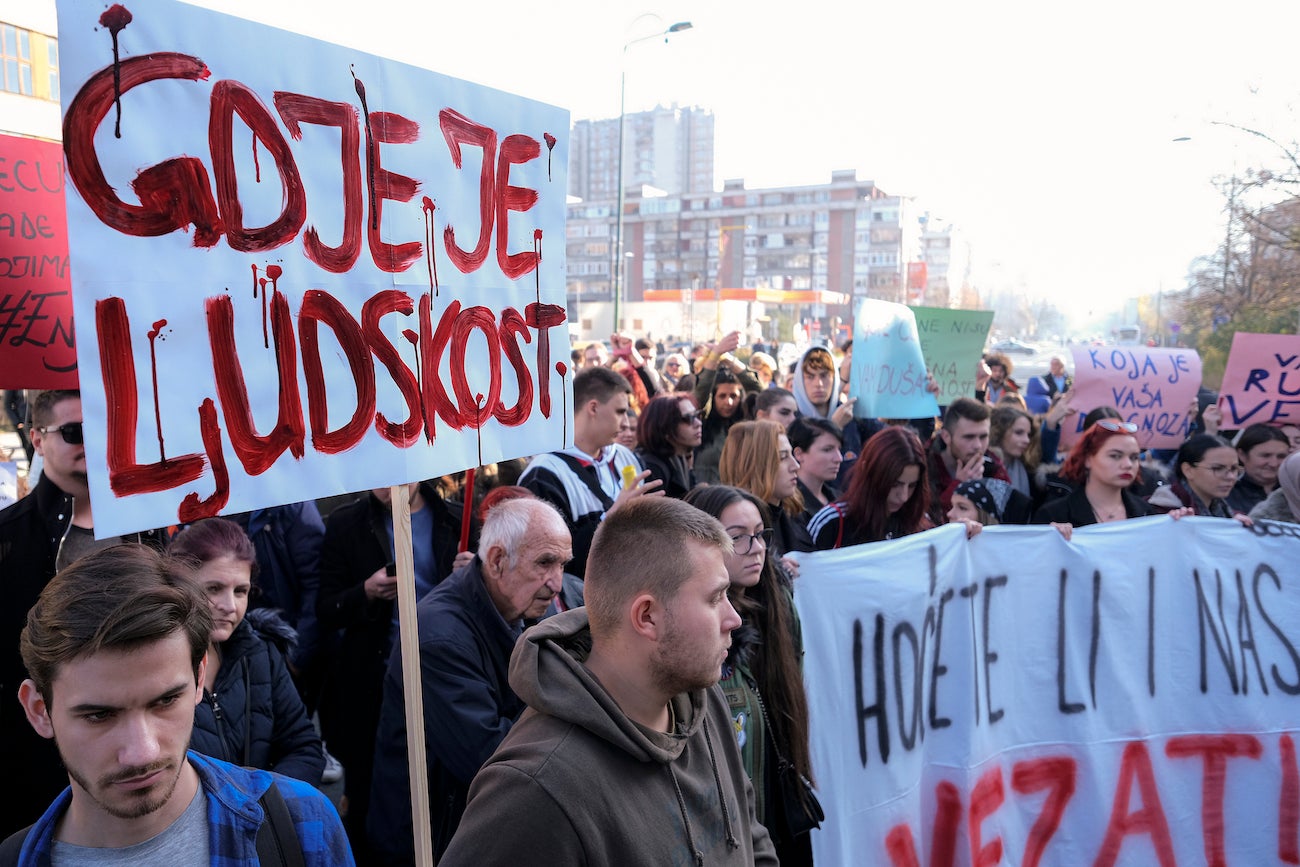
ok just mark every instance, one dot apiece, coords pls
pixel 12 847
pixel 589 475
pixel 277 838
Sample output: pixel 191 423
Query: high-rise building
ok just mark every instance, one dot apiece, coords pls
pixel 670 149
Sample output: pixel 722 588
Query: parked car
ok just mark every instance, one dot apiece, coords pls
pixel 1014 346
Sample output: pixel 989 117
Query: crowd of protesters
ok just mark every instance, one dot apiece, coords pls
pixel 301 661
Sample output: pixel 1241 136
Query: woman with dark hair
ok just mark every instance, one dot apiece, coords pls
pixel 1101 467
pixel 1261 449
pixel 757 457
pixel 775 404
pixel 251 714
pixel 762 677
pixel 888 494
pixel 720 394
pixel 817 447
pixel 669 431
pixel 1205 471
pixel 1284 503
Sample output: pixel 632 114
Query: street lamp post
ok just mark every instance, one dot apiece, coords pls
pixel 622 126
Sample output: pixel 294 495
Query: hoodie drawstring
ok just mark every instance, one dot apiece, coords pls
pixel 732 843
pixel 717 781
pixel 686 820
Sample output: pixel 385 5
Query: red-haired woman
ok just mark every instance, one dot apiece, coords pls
pixel 668 433
pixel 1101 466
pixel 888 494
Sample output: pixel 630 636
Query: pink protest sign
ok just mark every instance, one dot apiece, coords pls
pixel 1153 388
pixel 1262 381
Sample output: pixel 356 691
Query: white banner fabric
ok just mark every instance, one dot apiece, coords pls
pixel 1129 697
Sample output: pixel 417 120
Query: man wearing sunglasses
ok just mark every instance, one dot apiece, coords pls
pixel 39 535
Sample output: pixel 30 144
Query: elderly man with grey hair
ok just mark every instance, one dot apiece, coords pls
pixel 468 625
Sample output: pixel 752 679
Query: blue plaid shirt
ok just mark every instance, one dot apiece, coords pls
pixel 234 815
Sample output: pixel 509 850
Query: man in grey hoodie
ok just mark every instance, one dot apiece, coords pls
pixel 625 753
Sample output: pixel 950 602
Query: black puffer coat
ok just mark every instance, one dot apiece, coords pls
pixel 254 717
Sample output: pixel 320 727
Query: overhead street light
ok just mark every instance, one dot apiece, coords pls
pixel 617 257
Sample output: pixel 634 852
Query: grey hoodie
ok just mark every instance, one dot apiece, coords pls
pixel 806 408
pixel 577 782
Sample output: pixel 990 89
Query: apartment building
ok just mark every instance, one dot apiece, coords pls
pixel 29 71
pixel 828 243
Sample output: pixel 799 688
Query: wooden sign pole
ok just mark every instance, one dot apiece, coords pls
pixel 410 643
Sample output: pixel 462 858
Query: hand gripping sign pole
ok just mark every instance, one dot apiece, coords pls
pixel 410 644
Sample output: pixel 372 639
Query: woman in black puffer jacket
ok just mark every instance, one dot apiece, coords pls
pixel 251 714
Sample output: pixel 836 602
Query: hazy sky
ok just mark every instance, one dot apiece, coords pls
pixel 1044 130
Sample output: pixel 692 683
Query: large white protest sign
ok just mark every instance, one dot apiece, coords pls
pixel 1129 697
pixel 300 269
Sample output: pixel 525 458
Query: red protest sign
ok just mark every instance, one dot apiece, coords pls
pixel 37 349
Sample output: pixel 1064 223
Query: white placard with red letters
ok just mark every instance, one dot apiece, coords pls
pixel 300 269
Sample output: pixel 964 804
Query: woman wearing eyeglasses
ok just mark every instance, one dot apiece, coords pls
pixel 668 433
pixel 762 677
pixel 1205 472
pixel 1101 467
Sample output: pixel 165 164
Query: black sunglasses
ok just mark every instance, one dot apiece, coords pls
pixel 690 417
pixel 71 432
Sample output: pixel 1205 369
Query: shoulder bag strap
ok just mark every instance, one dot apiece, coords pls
pixel 12 847
pixel 277 838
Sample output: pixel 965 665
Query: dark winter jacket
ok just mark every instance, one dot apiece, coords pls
pixel 1246 495
pixel 31 531
pixel 469 706
pixel 288 541
pixel 253 715
pixel 1075 509
pixel 355 547
pixel 674 472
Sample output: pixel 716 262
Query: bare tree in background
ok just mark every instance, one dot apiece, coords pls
pixel 1252 281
